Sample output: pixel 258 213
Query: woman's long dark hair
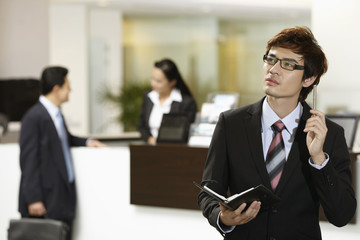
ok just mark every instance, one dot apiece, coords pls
pixel 168 67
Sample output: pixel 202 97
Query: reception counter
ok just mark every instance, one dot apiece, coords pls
pixel 163 175
pixel 104 203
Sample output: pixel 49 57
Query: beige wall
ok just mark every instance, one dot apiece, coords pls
pixel 24 38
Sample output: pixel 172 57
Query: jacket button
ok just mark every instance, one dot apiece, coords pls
pixel 329 180
pixel 274 210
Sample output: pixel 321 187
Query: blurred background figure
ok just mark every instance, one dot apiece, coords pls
pixel 47 186
pixel 169 94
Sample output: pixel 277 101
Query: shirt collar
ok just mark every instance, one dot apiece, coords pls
pixel 175 96
pixel 50 107
pixel 269 117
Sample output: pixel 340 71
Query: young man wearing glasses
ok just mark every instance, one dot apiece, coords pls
pixel 283 144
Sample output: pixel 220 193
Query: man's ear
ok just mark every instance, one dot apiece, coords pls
pixel 309 81
pixel 55 89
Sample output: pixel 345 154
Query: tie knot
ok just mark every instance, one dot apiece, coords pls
pixel 59 114
pixel 60 117
pixel 278 126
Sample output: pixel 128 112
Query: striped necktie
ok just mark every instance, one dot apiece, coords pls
pixel 66 148
pixel 276 155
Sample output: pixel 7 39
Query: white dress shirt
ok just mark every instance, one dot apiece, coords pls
pixel 291 122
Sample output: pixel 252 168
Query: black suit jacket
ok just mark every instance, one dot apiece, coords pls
pixel 235 161
pixel 187 106
pixel 43 170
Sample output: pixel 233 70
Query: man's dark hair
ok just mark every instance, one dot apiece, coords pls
pixel 50 77
pixel 301 41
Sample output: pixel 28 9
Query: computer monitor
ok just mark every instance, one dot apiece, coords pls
pixel 216 104
pixel 17 96
pixel 174 128
pixel 350 125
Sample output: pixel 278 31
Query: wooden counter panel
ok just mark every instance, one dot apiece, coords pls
pixel 163 175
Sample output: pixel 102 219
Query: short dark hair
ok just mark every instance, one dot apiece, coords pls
pixel 50 77
pixel 301 41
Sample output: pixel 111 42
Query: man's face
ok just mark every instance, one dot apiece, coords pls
pixel 64 90
pixel 279 82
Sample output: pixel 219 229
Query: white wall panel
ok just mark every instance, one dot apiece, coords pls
pixel 105 50
pixel 336 27
pixel 69 48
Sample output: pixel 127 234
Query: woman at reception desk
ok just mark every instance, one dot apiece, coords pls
pixel 169 94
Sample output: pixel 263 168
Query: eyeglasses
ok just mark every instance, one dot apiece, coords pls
pixel 285 64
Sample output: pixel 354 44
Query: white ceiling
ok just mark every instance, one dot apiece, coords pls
pixel 241 9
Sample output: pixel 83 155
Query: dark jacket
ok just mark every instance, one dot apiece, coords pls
pixel 236 162
pixel 187 106
pixel 43 170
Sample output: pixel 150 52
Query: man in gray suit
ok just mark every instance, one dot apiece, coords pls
pixel 47 184
pixel 285 145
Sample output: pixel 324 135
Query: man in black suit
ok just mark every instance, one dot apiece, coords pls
pixel 312 165
pixel 47 184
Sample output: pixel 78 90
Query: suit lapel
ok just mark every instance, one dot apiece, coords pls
pixel 58 155
pixel 253 126
pixel 298 152
pixel 148 108
pixel 175 107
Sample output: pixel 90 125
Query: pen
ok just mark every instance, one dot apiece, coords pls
pixel 314 96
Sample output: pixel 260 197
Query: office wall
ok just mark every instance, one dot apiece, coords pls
pixel 105 68
pixel 88 42
pixel 24 44
pixel 37 33
pixel 28 43
pixel 335 25
pixel 69 48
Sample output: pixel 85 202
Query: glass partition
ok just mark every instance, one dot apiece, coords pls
pixel 213 55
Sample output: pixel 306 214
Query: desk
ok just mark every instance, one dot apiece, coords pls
pixel 162 174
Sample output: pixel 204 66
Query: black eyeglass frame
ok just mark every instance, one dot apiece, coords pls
pixel 296 66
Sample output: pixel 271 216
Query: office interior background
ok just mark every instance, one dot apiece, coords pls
pixel 218 47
